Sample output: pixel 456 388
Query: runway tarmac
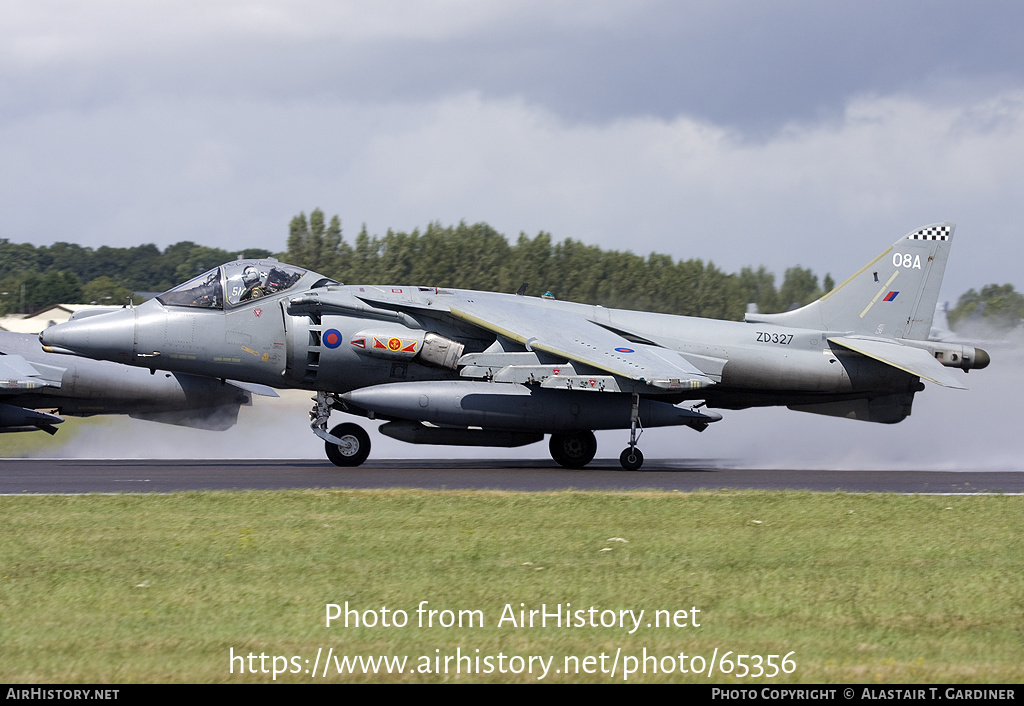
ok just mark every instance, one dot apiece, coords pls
pixel 18 476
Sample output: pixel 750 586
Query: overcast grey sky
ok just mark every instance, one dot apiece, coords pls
pixel 745 133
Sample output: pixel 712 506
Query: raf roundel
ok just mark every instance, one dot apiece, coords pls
pixel 624 350
pixel 332 338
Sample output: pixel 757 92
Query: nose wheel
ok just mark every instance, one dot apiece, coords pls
pixel 354 447
pixel 346 444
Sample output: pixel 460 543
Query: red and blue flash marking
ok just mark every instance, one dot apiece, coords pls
pixel 890 296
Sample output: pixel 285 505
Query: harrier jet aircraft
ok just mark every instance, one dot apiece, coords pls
pixel 32 379
pixel 449 366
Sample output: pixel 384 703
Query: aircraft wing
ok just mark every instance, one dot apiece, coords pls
pixel 18 375
pixel 561 333
pixel 915 361
pixel 530 322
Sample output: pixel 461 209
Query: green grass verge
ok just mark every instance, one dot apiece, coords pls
pixel 161 588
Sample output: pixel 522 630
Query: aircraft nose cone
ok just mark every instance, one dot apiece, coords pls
pixel 104 337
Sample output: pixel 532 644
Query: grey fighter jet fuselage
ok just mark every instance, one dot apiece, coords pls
pixel 32 380
pixel 448 366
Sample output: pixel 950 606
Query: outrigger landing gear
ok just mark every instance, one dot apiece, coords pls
pixel 631 459
pixel 346 444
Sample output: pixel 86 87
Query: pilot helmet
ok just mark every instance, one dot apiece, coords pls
pixel 250 276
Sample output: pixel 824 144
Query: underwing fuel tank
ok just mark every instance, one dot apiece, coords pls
pixel 511 407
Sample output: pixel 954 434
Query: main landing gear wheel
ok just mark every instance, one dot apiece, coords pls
pixel 573 450
pixel 354 450
pixel 631 459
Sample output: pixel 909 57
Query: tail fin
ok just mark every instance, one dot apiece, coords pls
pixel 893 296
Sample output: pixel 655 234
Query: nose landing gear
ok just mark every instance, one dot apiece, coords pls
pixel 353 450
pixel 346 444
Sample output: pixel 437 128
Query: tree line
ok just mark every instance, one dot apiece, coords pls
pixel 469 256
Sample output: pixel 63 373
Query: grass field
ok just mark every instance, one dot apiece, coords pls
pixel 853 588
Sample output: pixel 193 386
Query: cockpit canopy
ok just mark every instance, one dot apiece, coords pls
pixel 243 281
